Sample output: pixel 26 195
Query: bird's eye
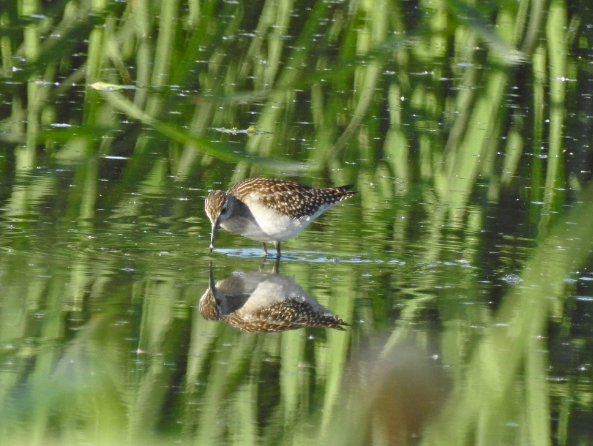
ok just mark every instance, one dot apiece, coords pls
pixel 223 210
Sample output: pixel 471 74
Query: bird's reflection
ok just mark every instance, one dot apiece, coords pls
pixel 260 302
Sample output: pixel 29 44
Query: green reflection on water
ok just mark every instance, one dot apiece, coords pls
pixel 452 121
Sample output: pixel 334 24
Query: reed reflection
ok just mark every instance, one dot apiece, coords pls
pixel 260 302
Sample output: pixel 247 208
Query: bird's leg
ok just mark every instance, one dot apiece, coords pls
pixel 277 245
pixel 276 268
pixel 265 251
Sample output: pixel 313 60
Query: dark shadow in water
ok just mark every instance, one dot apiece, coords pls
pixel 260 301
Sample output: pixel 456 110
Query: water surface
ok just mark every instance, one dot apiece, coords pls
pixel 462 267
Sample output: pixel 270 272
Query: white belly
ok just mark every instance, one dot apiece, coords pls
pixel 268 225
pixel 280 227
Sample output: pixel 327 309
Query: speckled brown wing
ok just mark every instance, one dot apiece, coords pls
pixel 287 197
pixel 286 315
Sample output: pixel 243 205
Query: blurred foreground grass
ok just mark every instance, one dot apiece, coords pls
pixel 454 106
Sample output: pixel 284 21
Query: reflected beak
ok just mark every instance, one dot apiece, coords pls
pixel 211 279
pixel 208 304
pixel 213 235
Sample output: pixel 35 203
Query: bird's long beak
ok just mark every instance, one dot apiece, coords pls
pixel 213 234
pixel 211 278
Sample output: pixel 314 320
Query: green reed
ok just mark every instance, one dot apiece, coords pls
pixel 348 76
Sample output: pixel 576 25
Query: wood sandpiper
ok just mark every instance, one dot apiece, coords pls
pixel 269 210
pixel 260 302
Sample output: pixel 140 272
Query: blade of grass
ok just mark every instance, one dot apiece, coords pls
pixel 220 151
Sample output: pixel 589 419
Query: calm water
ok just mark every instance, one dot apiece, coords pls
pixel 462 268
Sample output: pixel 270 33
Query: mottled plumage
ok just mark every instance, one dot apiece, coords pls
pixel 269 210
pixel 281 316
pixel 264 302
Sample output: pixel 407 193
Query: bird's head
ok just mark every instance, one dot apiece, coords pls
pixel 217 209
